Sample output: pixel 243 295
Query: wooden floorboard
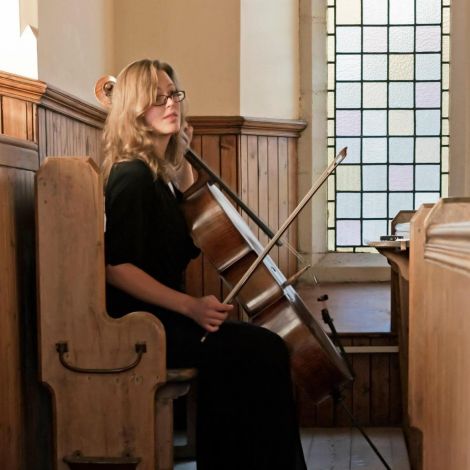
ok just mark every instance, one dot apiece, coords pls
pixel 346 449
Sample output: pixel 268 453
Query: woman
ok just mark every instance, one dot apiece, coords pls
pixel 246 414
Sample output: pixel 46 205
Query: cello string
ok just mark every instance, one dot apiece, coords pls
pixel 301 260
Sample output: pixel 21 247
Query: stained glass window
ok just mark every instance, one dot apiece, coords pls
pixel 388 95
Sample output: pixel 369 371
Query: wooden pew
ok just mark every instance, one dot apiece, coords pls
pixel 102 418
pixel 439 333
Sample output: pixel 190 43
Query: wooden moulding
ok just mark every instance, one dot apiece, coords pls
pixel 49 97
pixel 447 242
pixel 240 125
pixel 18 153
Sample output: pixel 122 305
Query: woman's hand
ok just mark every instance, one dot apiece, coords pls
pixel 209 312
pixel 184 177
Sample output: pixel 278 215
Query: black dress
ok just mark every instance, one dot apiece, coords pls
pixel 246 412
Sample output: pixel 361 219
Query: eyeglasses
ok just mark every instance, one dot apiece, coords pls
pixel 176 97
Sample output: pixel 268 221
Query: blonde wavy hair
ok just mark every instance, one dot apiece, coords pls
pixel 126 136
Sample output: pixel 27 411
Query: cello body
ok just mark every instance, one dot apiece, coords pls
pixel 268 300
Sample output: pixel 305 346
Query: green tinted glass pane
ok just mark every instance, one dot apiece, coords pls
pixel 445 185
pixel 401 122
pixel 445 159
pixel 348 178
pixel 401 67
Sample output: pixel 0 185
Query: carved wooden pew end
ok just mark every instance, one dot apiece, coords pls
pixel 112 394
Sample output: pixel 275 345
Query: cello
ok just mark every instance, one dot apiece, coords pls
pixel 243 264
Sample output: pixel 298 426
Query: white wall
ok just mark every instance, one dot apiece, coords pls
pixel 269 58
pixel 200 38
pixel 75 44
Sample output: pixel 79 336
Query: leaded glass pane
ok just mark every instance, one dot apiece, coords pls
pixel 401 122
pixel 354 149
pixel 402 11
pixel 428 11
pixel 425 198
pixel 401 67
pixel 428 39
pixel 428 95
pixel 348 95
pixel 374 205
pixel 428 177
pixel 372 229
pixel 374 67
pixel 401 94
pixel 428 122
pixel 400 178
pixel 348 123
pixel 374 177
pixel 388 100
pixel 348 178
pixel 374 95
pixel 348 11
pixel 375 39
pixel 402 39
pixel 374 150
pixel 375 11
pixel 348 205
pixel 348 233
pixel 428 150
pixel 399 202
pixel 348 67
pixel 374 122
pixel 428 66
pixel 348 39
pixel 401 149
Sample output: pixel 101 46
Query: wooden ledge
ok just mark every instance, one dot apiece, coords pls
pixel 49 97
pixel 240 125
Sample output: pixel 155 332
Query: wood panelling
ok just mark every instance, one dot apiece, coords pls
pixel 17 153
pixel 11 398
pixel 36 121
pixel 374 397
pixel 258 159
